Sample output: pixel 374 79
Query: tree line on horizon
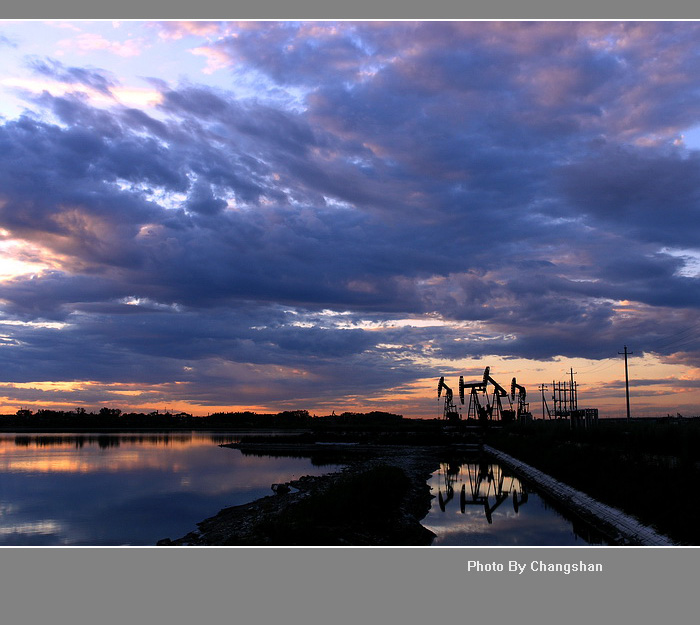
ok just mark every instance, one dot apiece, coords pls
pixel 115 418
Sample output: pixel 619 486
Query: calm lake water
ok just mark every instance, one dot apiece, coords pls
pixel 134 489
pixel 482 504
pixel 126 489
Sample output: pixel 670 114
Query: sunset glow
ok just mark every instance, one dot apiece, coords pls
pixel 220 216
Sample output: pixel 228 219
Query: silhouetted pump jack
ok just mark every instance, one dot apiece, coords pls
pixel 450 413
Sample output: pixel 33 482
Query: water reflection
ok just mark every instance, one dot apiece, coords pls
pixel 105 441
pixel 126 488
pixel 495 508
pixel 482 484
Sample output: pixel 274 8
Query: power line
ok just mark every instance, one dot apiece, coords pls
pixel 676 337
pixel 599 367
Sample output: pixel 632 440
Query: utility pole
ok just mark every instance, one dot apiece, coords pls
pixel 543 388
pixel 627 381
pixel 572 392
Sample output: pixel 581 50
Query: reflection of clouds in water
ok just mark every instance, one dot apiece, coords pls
pixel 523 530
pixel 46 532
pixel 5 508
pixel 207 467
pixel 135 493
pixel 59 463
pixel 36 527
pixel 89 453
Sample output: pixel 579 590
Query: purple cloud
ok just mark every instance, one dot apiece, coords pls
pixel 523 177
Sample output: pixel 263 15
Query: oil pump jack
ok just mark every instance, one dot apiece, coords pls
pixel 483 409
pixel 450 413
pixel 498 393
pixel 523 413
pixel 481 405
pixel 476 410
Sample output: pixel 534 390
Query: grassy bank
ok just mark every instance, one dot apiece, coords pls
pixel 361 508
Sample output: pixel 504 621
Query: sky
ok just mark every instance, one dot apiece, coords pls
pixel 332 215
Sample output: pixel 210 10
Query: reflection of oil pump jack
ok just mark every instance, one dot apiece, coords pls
pixel 495 485
pixel 450 472
pixel 519 499
pixel 477 496
pixel 485 484
pixel 450 413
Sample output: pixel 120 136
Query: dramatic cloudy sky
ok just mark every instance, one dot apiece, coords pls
pixel 331 216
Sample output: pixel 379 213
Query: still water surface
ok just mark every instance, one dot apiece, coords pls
pixel 126 489
pixel 482 504
pixel 134 489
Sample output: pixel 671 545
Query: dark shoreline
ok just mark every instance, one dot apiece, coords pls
pixel 348 506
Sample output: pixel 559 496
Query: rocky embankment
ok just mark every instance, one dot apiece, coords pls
pixel 378 499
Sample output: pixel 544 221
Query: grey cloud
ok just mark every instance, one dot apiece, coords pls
pixel 650 194
pixel 94 78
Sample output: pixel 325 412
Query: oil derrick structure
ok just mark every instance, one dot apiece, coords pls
pixel 450 414
pixel 522 414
